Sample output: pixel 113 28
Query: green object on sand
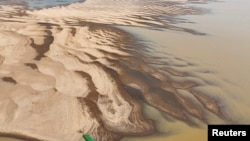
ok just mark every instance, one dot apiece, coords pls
pixel 87 137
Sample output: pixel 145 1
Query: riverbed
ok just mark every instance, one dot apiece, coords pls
pixel 216 59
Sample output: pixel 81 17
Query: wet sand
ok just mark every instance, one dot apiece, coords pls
pixel 9 139
pixel 75 73
pixel 171 129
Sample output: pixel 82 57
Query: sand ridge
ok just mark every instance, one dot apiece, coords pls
pixel 33 89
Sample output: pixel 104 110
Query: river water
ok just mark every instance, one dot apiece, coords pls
pixel 38 4
pixel 221 58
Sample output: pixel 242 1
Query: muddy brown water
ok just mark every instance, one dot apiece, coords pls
pixel 220 58
pixel 9 139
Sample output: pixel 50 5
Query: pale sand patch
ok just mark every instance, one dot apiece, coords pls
pixel 9 49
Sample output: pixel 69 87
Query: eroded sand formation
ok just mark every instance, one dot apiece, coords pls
pixel 66 74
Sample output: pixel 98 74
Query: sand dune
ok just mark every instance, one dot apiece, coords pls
pixel 71 73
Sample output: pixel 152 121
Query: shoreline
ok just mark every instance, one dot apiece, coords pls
pixel 126 77
pixel 26 7
pixel 90 71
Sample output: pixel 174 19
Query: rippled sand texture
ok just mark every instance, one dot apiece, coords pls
pixel 146 13
pixel 66 74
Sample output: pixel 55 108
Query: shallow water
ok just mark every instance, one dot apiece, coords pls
pixel 34 4
pixel 9 139
pixel 220 58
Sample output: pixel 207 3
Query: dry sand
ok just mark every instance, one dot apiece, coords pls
pixel 38 92
pixel 62 75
